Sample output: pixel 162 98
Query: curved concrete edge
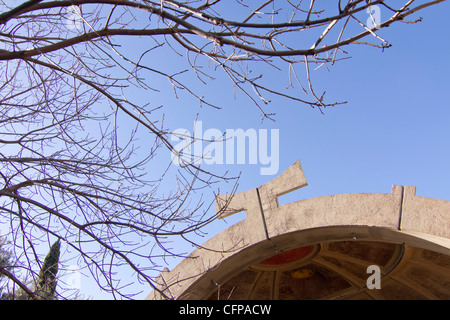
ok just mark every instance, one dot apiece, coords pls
pixel 373 216
pixel 204 259
pixel 199 286
pixel 400 217
pixel 370 209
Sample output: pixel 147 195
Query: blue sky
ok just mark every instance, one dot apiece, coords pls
pixel 394 128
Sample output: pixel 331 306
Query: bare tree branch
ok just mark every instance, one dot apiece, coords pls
pixel 71 169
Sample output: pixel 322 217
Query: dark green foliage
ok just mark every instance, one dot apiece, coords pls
pixel 5 263
pixel 5 255
pixel 47 276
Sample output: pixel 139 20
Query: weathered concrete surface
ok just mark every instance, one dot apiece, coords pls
pixel 398 217
pixel 426 215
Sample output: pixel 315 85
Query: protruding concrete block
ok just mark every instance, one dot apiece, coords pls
pixel 397 217
pixel 425 215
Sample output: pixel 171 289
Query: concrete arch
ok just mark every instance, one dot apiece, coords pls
pixel 416 225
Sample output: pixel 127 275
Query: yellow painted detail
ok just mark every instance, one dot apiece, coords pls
pixel 302 273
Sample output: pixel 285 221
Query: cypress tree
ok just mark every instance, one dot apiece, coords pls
pixel 47 276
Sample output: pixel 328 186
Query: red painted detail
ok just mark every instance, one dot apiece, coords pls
pixel 288 256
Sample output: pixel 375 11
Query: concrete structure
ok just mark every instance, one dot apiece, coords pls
pixel 320 248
